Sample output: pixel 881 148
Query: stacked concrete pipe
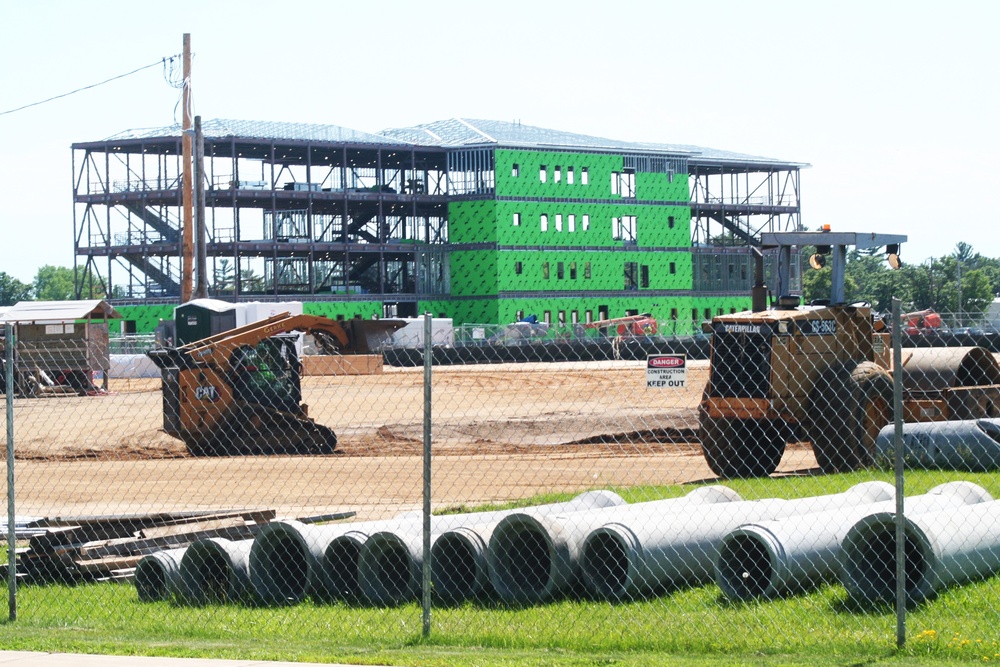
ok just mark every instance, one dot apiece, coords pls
pixel 460 565
pixel 941 549
pixel 158 575
pixel 532 558
pixel 286 558
pixel 390 562
pixel 795 554
pixel 634 549
pixel 216 570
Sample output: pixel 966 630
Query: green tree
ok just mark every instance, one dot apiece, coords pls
pixel 54 283
pixel 12 290
pixel 58 283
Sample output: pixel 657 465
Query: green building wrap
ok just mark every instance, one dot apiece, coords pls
pixel 568 236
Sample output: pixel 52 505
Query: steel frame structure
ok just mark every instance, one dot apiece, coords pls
pixel 283 217
pixel 348 219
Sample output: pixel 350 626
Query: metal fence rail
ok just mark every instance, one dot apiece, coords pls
pixel 261 481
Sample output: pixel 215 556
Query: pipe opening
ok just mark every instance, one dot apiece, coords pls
pixel 210 575
pixel 386 572
pixel 340 563
pixel 150 580
pixel 523 561
pixel 455 568
pixel 871 563
pixel 745 567
pixel 282 568
pixel 605 564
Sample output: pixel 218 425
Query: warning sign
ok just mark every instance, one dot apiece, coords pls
pixel 666 370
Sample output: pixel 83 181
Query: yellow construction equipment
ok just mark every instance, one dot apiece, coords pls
pixel 239 392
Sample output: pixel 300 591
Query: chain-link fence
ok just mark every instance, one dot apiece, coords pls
pixel 653 501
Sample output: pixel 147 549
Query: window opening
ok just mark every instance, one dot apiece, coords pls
pixel 557 175
pixel 515 170
pixel 585 222
pixel 586 270
pixel 569 175
pixel 518 268
pixel 644 276
pixel 542 173
pixel 572 270
pixel 673 268
pixel 545 270
pixel 544 220
pixel 558 222
pixel 517 219
pixel 584 176
pixel 560 270
pixel 571 223
pixel 631 275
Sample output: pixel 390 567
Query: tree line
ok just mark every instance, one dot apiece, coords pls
pixel 964 282
pixel 51 283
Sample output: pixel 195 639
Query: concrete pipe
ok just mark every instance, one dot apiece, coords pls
pixel 216 570
pixel 459 563
pixel 400 556
pixel 531 558
pixel 285 560
pixel 941 549
pixel 157 576
pixel 630 554
pixel 390 566
pixel 972 445
pixel 796 554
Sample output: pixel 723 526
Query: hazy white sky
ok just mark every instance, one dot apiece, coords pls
pixel 894 104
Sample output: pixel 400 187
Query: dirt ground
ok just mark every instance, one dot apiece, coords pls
pixel 500 432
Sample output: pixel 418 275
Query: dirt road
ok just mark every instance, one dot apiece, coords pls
pixel 499 432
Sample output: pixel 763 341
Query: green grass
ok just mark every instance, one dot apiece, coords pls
pixel 688 626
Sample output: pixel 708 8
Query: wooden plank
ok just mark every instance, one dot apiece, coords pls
pixel 172 541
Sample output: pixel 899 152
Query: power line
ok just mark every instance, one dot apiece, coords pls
pixel 114 78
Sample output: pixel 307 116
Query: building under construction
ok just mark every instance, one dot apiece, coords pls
pixel 480 221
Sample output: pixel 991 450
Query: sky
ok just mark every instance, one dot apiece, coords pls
pixel 894 105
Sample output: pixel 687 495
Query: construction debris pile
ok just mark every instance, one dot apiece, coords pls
pixel 103 548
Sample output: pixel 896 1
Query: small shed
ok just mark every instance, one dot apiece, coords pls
pixel 61 343
pixel 201 318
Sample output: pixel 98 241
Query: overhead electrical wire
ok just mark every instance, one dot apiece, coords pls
pixel 162 61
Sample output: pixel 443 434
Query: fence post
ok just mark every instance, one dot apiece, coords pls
pixel 425 588
pixel 9 342
pixel 897 445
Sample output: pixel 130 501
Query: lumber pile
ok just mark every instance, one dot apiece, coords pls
pixel 108 547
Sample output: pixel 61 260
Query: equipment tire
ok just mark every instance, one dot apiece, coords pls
pixel 848 406
pixel 741 448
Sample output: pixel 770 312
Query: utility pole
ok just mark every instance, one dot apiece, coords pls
pixel 187 231
pixel 201 236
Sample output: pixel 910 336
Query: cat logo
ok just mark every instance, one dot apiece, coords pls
pixel 208 393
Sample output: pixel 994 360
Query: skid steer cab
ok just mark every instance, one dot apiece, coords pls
pixel 786 372
pixel 240 392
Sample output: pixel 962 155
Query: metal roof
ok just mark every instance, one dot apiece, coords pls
pixel 221 128
pixel 469 132
pixel 214 305
pixel 60 311
pixel 452 133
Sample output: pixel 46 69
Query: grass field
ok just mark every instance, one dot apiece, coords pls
pixel 693 625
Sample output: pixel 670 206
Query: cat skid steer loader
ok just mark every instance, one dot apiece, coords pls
pixel 240 392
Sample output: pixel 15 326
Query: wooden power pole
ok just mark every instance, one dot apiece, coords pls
pixel 187 232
